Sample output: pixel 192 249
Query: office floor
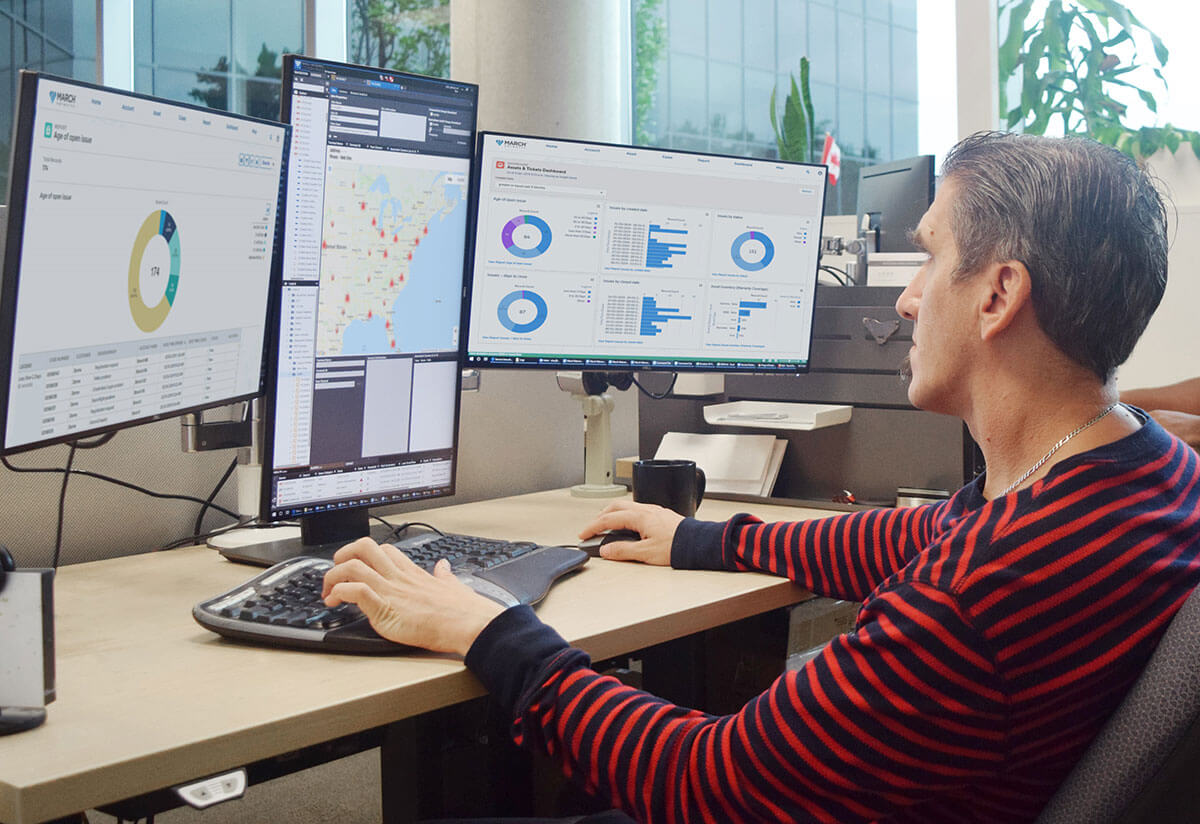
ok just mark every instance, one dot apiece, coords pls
pixel 345 791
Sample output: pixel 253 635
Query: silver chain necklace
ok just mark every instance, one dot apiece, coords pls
pixel 1054 449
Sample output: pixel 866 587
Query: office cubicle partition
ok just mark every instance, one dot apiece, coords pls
pixel 859 343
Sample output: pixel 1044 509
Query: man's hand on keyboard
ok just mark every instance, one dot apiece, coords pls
pixel 655 524
pixel 403 602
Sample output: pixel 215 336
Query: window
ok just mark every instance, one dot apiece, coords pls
pixel 220 53
pixel 1175 101
pixel 704 72
pixel 57 36
pixel 223 54
pixel 1178 102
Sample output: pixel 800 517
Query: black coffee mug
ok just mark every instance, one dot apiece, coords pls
pixel 677 485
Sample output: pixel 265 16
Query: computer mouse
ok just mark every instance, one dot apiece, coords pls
pixel 592 545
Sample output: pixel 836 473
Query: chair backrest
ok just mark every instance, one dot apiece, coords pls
pixel 1131 771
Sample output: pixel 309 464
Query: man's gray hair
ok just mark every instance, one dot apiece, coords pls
pixel 1087 223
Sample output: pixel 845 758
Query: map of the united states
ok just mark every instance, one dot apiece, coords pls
pixel 391 260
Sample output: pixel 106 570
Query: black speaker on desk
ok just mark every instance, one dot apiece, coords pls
pixel 26 644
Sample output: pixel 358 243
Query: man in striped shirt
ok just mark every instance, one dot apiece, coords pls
pixel 998 629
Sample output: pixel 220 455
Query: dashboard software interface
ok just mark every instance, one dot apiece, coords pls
pixel 365 397
pixel 603 256
pixel 138 271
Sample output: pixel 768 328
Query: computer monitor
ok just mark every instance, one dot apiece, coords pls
pixel 596 256
pixel 364 377
pixel 142 245
pixel 892 197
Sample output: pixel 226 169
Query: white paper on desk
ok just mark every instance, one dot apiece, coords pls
pixel 773 468
pixel 759 486
pixel 723 457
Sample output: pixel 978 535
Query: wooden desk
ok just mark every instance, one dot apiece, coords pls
pixel 149 699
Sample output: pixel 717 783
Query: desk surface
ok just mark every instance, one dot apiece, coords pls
pixel 147 698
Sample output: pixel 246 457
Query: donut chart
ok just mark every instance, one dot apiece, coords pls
pixel 752 251
pixel 526 236
pixel 522 311
pixel 157 223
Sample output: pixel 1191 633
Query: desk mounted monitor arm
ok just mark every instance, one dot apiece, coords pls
pixel 589 388
pixel 199 435
pixel 238 432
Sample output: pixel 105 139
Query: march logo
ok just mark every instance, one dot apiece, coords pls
pixel 511 144
pixel 62 98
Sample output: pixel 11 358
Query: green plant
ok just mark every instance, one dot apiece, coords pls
pixel 794 132
pixel 408 35
pixel 1069 69
pixel 650 41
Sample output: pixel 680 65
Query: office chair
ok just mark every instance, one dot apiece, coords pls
pixel 1142 768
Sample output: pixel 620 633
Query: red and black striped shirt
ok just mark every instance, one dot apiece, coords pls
pixel 993 641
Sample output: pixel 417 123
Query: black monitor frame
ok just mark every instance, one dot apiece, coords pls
pixel 605 369
pixel 18 176
pixel 895 195
pixel 326 526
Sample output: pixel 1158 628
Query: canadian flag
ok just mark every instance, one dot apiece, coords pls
pixel 831 156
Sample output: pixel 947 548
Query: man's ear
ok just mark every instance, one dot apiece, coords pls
pixel 1007 289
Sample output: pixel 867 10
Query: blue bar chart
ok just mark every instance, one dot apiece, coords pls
pixel 655 317
pixel 659 252
pixel 745 307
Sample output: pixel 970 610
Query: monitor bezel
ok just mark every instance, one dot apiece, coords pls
pixel 267 411
pixel 622 364
pixel 918 169
pixel 18 181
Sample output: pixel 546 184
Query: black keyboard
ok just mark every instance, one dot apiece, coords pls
pixel 282 605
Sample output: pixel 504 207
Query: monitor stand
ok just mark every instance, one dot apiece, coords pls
pixel 320 534
pixel 597 449
pixel 591 390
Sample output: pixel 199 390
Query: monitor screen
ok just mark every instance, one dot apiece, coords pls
pixel 362 407
pixel 597 256
pixel 142 237
pixel 892 197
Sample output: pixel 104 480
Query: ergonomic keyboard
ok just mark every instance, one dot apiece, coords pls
pixel 282 605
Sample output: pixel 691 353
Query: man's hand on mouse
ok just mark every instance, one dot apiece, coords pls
pixel 403 602
pixel 655 524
